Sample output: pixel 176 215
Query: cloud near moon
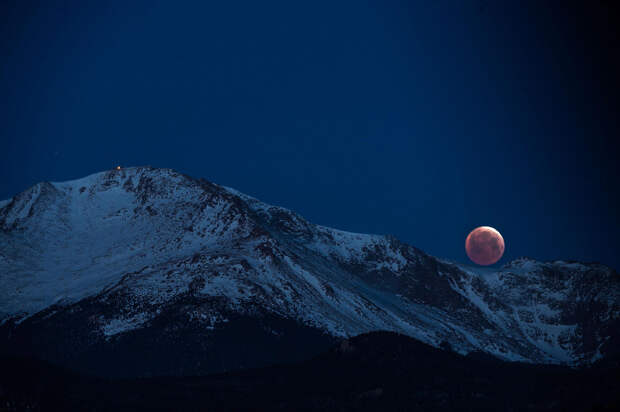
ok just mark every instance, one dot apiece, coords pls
pixel 484 245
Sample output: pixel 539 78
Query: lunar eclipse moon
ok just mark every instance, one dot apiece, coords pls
pixel 484 245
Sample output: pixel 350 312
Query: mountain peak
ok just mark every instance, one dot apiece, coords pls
pixel 124 252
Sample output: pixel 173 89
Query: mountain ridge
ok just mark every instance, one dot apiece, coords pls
pixel 144 242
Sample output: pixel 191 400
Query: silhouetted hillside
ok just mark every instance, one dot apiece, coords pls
pixel 375 371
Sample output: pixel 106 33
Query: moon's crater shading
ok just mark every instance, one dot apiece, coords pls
pixel 484 245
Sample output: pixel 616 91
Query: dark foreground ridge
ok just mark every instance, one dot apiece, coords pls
pixel 375 371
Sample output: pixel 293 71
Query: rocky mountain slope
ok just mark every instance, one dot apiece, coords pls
pixel 147 262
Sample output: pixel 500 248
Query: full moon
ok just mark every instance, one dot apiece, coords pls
pixel 484 245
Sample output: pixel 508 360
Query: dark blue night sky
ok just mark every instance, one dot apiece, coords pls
pixel 418 120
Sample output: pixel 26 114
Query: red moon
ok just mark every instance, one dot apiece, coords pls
pixel 484 245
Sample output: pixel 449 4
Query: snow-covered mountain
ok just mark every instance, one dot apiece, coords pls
pixel 141 257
